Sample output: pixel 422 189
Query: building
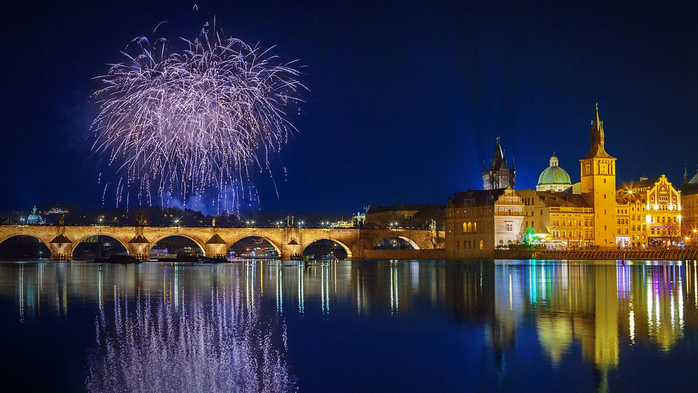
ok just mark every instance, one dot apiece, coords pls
pixel 477 221
pixel 404 216
pixel 470 225
pixel 598 185
pixel 562 215
pixel 499 175
pixel 389 216
pixel 508 216
pixel 660 207
pixel 560 220
pixel 632 228
pixel 583 215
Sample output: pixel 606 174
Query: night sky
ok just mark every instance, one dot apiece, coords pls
pixel 406 98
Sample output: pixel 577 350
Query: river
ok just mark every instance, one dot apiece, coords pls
pixel 343 326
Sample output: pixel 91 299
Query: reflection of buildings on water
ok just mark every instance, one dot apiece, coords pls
pixel 599 308
pixel 595 307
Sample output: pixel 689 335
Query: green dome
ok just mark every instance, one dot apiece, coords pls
pixel 554 176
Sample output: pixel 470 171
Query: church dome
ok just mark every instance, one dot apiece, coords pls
pixel 553 178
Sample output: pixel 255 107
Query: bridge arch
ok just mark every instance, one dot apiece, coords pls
pixel 342 244
pixel 28 235
pixel 199 244
pixel 265 238
pixel 85 237
pixel 405 238
pixel 43 252
pixel 81 250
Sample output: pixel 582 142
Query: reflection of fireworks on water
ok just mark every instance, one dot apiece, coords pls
pixel 154 347
pixel 190 122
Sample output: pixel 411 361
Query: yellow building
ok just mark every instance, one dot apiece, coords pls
pixel 598 187
pixel 660 208
pixel 591 213
pixel 632 228
pixel 576 219
pixel 561 220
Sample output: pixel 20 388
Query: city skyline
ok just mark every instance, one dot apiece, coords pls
pixel 405 102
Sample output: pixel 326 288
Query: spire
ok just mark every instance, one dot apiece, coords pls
pixel 597 138
pixel 685 173
pixel 598 122
pixel 498 160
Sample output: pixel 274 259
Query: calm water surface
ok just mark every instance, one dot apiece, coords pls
pixel 407 326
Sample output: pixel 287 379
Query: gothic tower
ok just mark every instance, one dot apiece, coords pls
pixel 499 175
pixel 598 170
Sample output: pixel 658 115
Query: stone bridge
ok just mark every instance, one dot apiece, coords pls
pixel 138 240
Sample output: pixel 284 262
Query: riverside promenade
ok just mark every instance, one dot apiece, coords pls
pixel 651 254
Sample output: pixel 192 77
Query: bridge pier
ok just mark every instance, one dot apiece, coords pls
pixel 61 251
pixel 139 251
pixel 214 250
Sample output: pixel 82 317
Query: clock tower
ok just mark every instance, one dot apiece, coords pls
pixel 598 170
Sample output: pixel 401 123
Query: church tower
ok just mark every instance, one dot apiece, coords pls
pixel 598 170
pixel 499 175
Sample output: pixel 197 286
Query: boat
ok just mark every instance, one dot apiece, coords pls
pixel 203 259
pixel 119 258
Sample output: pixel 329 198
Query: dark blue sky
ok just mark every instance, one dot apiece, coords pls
pixel 406 98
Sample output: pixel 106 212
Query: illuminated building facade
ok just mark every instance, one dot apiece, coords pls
pixel 508 216
pixel 660 208
pixel 598 185
pixel 499 175
pixel 631 223
pixel 561 220
pixel 591 213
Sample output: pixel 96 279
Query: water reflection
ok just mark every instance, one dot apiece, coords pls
pixel 215 342
pixel 174 327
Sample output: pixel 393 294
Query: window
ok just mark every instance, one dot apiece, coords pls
pixel 465 227
pixel 457 244
pixel 481 245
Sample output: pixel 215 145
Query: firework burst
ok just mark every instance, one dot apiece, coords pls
pixel 193 122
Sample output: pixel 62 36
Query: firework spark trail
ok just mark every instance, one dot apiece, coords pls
pixel 192 122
